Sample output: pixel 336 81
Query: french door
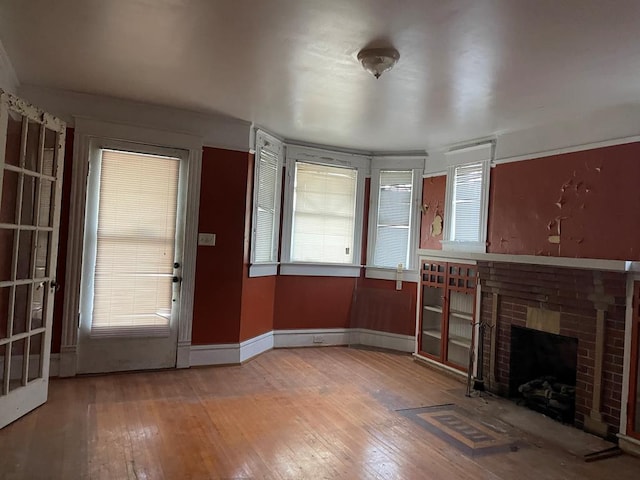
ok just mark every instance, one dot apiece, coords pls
pixel 132 258
pixel 31 162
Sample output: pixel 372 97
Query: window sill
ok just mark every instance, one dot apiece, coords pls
pixel 391 274
pixel 263 269
pixel 320 270
pixel 456 246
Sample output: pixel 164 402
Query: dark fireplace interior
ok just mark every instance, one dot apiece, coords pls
pixel 543 372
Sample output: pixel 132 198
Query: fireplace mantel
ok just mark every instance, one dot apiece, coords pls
pixel 568 262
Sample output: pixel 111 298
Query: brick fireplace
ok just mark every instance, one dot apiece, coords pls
pixel 585 305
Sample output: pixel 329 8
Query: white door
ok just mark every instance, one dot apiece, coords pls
pixel 132 258
pixel 31 162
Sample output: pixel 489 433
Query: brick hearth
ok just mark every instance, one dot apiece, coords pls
pixel 514 289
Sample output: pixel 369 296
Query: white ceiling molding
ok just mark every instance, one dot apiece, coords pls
pixel 609 126
pixel 216 130
pixel 8 79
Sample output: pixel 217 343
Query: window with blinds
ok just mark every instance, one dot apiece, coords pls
pixel 324 210
pixel 393 228
pixel 466 206
pixel 135 240
pixel 267 205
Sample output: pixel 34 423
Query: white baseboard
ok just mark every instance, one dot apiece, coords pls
pixel 376 338
pixel 255 346
pixel 236 353
pixel 312 337
pixel 219 354
pixel 230 353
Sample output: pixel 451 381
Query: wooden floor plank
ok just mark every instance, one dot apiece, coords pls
pixel 318 413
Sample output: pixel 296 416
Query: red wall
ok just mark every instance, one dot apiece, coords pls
pixel 219 269
pixel 313 302
pixel 433 197
pixel 590 198
pixel 379 306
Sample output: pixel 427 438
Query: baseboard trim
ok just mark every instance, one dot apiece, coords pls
pixel 312 337
pixel 377 338
pixel 230 353
pixel 237 353
pixel 218 354
pixel 255 346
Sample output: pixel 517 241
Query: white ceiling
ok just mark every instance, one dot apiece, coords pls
pixel 468 68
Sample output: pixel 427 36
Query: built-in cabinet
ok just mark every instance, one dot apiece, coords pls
pixel 446 325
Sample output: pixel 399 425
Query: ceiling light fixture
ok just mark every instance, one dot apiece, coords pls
pixel 376 61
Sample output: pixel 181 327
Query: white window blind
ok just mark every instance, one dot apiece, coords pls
pixel 467 203
pixel 324 206
pixel 267 200
pixel 135 240
pixel 394 219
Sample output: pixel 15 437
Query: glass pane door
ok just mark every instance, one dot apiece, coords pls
pixel 28 229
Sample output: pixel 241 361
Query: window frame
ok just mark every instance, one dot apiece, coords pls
pixel 265 141
pixel 362 165
pixel 383 163
pixel 479 153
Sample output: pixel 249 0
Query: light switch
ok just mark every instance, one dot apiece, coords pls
pixel 207 239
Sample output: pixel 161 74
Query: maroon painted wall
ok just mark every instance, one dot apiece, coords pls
pixel 590 199
pixel 218 292
pixel 312 302
pixel 433 197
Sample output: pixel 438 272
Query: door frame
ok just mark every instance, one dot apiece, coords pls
pixel 87 131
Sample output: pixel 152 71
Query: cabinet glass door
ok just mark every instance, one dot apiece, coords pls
pixel 460 328
pixel 432 305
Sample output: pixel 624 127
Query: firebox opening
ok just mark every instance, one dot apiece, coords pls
pixel 542 372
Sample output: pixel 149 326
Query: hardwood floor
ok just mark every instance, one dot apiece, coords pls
pixel 317 413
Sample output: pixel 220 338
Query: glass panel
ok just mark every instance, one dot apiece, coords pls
pixel 4 311
pixel 36 351
pixel 433 296
pixel 135 238
pixel 3 360
pixel 431 332
pixel 42 254
pixel 458 354
pixel 17 362
pixel 25 248
pixel 460 328
pixel 28 201
pixel 33 146
pixel 37 305
pixel 7 239
pixel 49 154
pixel 20 309
pixel 432 301
pixel 14 139
pixel 9 195
pixel 46 200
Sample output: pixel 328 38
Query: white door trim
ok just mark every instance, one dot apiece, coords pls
pixel 86 130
